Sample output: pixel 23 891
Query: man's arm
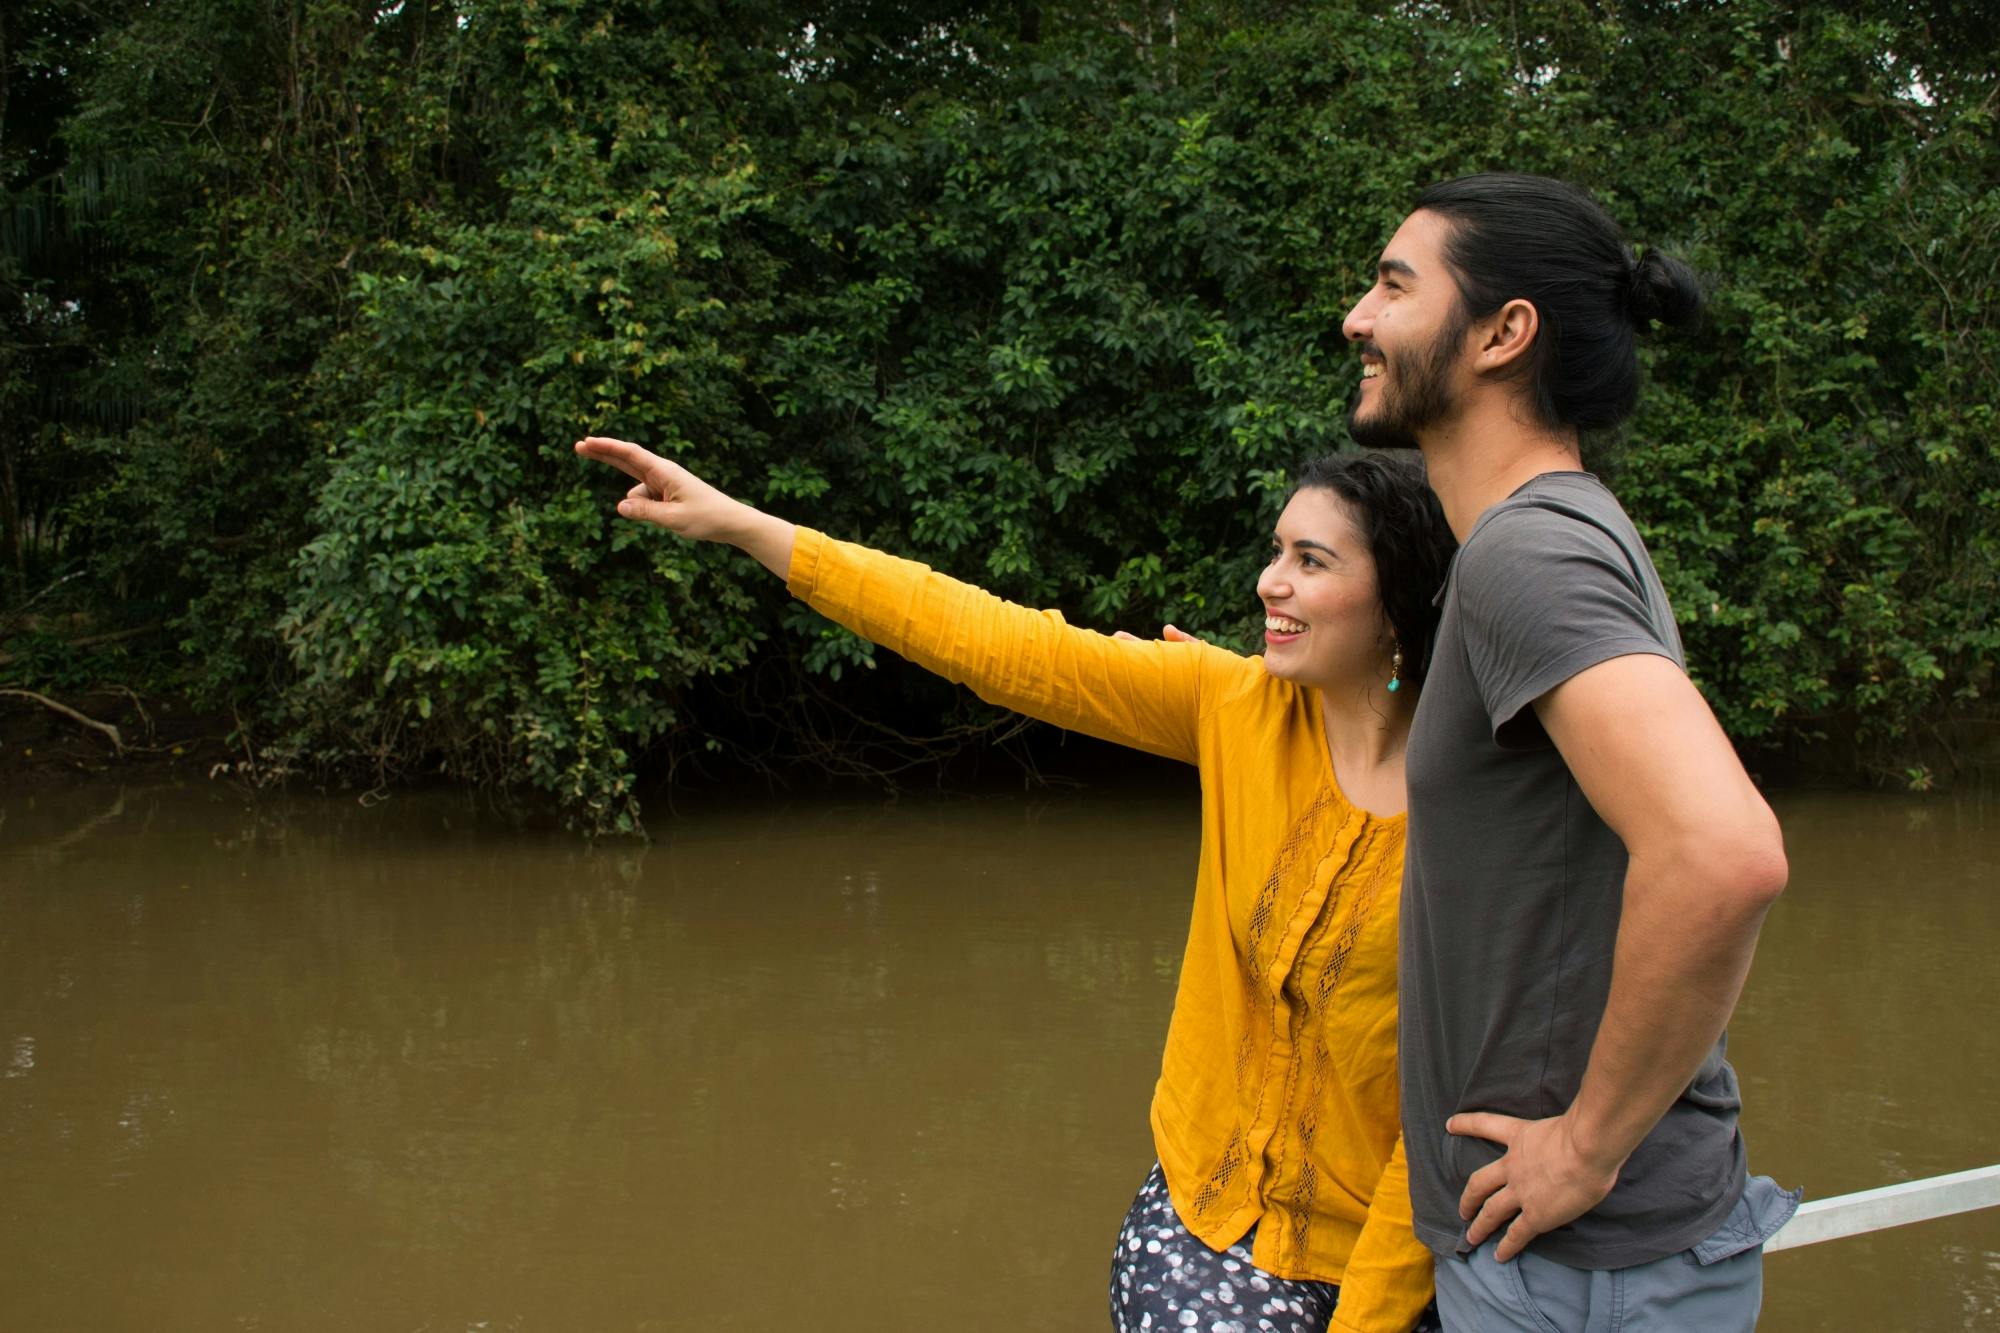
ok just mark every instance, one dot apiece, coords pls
pixel 1706 862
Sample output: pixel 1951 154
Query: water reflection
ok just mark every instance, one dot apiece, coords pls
pixel 304 1066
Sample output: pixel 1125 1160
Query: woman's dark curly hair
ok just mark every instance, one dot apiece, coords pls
pixel 1406 532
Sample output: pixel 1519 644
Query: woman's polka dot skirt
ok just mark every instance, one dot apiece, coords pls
pixel 1164 1280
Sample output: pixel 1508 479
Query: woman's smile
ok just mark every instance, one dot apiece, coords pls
pixel 1279 630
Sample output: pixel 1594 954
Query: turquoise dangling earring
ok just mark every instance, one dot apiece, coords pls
pixel 1396 670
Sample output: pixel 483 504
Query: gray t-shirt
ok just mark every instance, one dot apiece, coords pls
pixel 1512 885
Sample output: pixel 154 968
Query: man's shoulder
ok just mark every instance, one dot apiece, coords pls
pixel 1551 502
pixel 1551 519
pixel 1556 559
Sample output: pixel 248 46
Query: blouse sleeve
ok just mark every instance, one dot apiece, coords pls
pixel 1388 1279
pixel 1147 695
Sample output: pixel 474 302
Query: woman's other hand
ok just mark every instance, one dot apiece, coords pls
pixel 1171 634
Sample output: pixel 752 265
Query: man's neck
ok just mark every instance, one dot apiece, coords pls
pixel 1484 456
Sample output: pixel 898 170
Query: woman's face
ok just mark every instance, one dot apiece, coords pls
pixel 1324 625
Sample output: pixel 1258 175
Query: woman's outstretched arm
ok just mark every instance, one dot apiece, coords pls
pixel 1146 695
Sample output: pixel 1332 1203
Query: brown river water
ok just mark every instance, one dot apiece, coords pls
pixel 299 1065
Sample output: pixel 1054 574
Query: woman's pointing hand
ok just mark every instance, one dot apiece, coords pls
pixel 669 496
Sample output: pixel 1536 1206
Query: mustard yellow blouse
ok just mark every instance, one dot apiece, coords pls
pixel 1277 1101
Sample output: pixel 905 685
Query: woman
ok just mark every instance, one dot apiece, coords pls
pixel 1280 1190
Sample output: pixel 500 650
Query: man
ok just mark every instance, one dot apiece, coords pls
pixel 1588 863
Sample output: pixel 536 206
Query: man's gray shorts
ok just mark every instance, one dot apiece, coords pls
pixel 1715 1287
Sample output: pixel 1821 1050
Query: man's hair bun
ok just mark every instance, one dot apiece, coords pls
pixel 1665 289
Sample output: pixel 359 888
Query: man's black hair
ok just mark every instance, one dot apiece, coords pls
pixel 1546 242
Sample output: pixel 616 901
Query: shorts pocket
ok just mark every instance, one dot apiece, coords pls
pixel 1553 1296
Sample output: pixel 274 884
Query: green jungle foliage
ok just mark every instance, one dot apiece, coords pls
pixel 306 301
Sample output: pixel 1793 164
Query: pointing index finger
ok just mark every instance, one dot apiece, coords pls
pixel 627 457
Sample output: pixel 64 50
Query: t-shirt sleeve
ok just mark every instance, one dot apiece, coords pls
pixel 1544 596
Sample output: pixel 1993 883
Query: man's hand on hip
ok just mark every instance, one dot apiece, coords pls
pixel 1542 1181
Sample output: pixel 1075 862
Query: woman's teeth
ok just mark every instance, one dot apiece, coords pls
pixel 1280 625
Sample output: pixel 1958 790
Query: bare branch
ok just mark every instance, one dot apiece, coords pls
pixel 104 728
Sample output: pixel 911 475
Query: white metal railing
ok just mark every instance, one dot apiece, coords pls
pixel 1890 1206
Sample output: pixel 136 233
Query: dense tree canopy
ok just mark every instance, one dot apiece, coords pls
pixel 306 301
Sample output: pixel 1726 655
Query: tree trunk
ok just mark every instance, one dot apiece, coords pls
pixel 10 519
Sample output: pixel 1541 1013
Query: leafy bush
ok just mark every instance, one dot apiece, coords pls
pixel 1054 305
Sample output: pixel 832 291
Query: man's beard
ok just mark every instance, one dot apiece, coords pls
pixel 1416 394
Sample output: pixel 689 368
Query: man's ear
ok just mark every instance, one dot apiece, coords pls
pixel 1505 336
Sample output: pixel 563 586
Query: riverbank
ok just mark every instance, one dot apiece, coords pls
pixel 62 739
pixel 79 739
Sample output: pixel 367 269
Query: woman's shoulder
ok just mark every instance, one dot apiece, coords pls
pixel 1235 686
pixel 1227 673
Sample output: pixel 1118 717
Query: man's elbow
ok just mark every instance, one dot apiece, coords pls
pixel 1763 877
pixel 1750 866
